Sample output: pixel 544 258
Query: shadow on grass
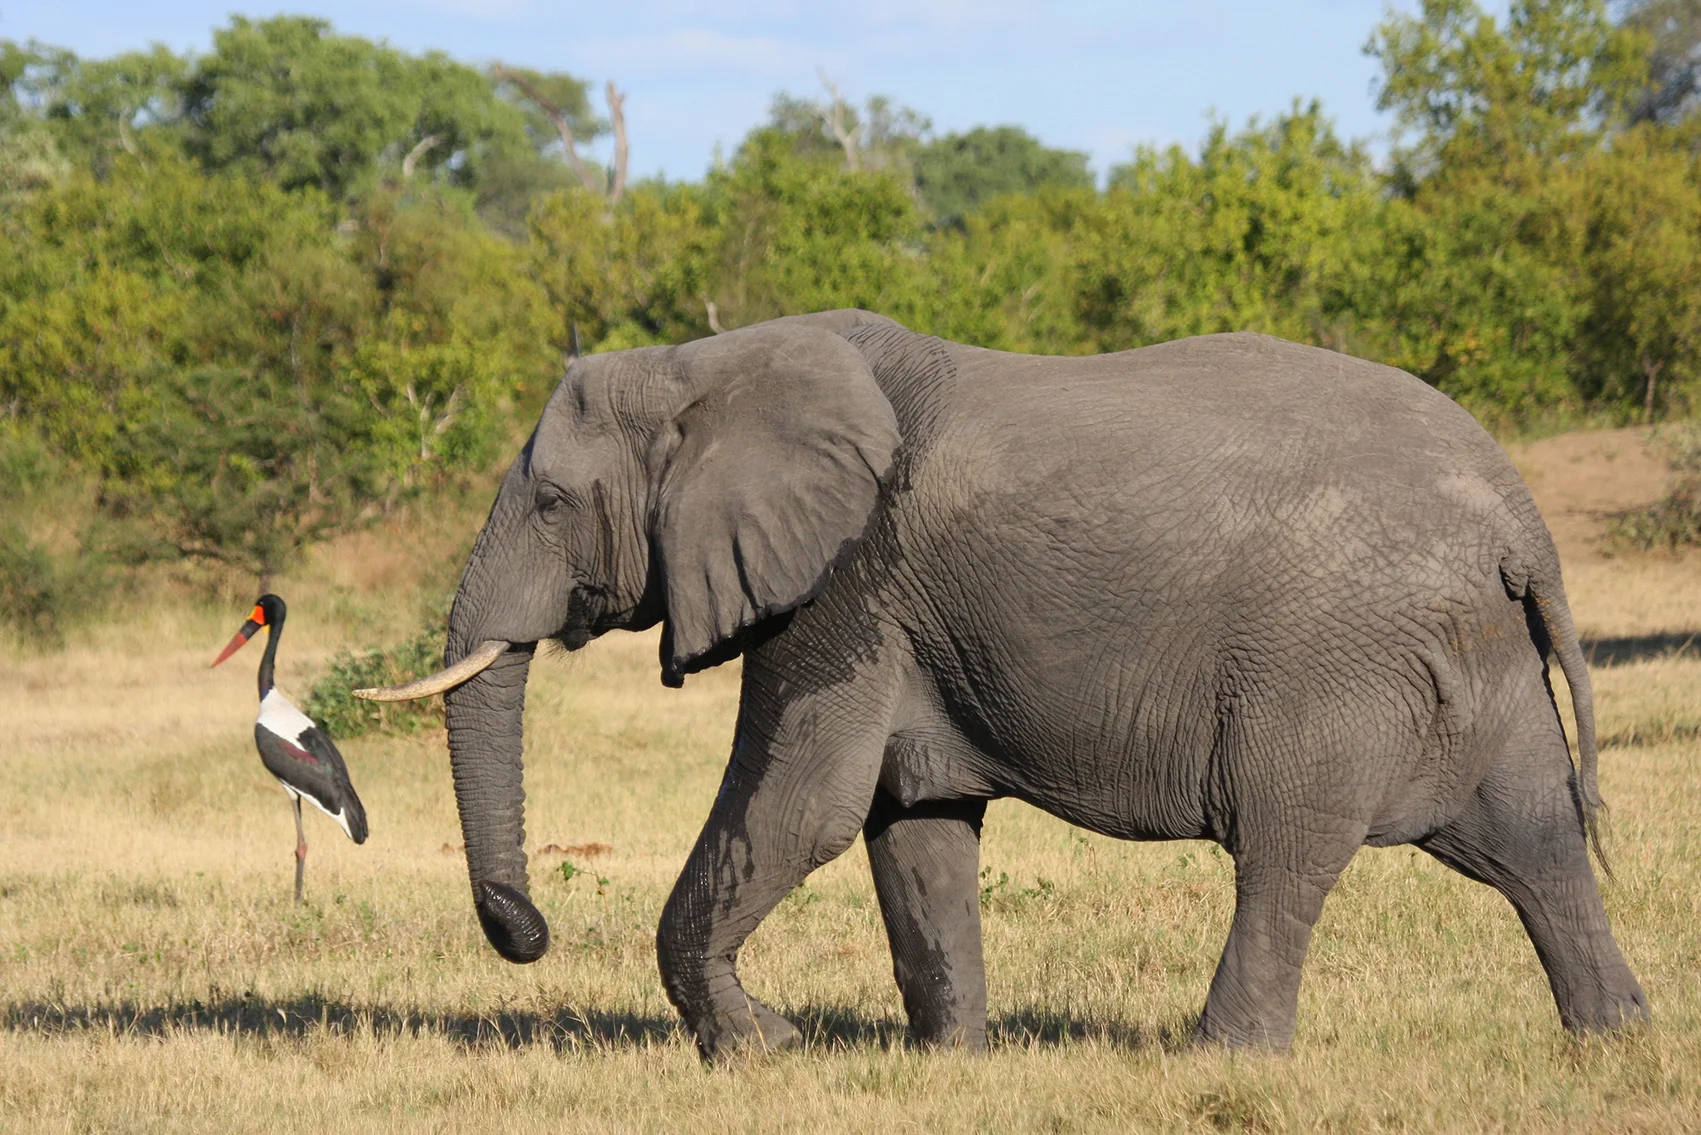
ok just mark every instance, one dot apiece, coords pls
pixel 832 1027
pixel 824 1027
pixel 1634 648
pixel 254 1016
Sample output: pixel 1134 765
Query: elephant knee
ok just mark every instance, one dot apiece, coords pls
pixel 835 837
pixel 680 957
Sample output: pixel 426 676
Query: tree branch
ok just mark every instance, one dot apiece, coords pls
pixel 617 115
pixel 419 151
pixel 836 123
pixel 1651 368
pixel 557 116
pixel 124 136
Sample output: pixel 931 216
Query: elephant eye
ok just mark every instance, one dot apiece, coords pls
pixel 549 498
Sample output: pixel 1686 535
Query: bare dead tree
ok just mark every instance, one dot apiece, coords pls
pixel 617 115
pixel 615 186
pixel 1651 368
pixel 834 117
pixel 557 116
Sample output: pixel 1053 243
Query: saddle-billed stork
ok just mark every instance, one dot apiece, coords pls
pixel 292 748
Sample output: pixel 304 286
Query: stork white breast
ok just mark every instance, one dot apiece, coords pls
pixel 278 716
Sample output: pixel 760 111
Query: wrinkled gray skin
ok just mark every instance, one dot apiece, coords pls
pixel 1228 588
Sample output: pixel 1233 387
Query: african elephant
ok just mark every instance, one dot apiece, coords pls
pixel 1228 588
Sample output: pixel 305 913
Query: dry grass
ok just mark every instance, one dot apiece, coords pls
pixel 155 976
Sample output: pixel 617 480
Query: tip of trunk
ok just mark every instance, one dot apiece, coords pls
pixel 513 925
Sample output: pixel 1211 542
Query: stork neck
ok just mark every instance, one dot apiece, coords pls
pixel 274 631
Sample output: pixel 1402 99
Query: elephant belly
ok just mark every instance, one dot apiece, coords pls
pixel 1105 743
pixel 1144 601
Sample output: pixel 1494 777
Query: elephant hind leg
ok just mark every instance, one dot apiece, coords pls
pixel 1521 834
pixel 924 861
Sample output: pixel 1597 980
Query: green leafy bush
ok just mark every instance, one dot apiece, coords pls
pixel 1674 521
pixel 50 571
pixel 334 707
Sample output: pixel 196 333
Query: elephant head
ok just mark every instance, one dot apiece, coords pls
pixel 708 486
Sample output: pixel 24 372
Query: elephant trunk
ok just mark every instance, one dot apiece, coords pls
pixel 484 718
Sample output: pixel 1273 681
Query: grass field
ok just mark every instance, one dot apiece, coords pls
pixel 154 974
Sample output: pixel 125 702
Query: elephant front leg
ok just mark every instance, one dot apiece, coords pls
pixel 795 795
pixel 925 860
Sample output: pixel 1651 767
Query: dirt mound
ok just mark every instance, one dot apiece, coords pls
pixel 1581 479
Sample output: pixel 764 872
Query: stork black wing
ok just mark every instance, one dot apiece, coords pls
pixel 310 764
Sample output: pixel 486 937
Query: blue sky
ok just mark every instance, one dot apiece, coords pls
pixel 1091 75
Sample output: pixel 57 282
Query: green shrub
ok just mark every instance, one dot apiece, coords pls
pixel 1674 521
pixel 334 707
pixel 50 572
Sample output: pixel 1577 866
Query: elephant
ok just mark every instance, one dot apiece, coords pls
pixel 1228 588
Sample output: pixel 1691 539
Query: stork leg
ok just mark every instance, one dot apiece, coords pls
pixel 300 848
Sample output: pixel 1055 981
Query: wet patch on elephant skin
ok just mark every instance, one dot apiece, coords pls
pixel 925 861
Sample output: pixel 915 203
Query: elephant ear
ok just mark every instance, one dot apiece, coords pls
pixel 768 479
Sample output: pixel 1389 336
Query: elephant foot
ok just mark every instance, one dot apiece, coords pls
pixel 1610 1007
pixel 1249 1036
pixel 960 1038
pixel 753 1029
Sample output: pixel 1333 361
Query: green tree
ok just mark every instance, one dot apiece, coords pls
pixel 29 159
pixel 800 235
pixel 1468 91
pixel 1643 336
pixel 1261 233
pixel 881 134
pixel 958 173
pixel 1007 277
pixel 637 276
pixel 1673 30
pixel 1482 290
pixel 52 566
pixel 556 110
pixel 215 348
pixel 1525 277
pixel 287 99
pixel 457 336
pixel 97 108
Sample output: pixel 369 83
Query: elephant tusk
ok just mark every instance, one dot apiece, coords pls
pixel 444 679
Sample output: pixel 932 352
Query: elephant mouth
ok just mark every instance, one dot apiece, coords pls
pixel 585 621
pixel 476 662
pixel 593 611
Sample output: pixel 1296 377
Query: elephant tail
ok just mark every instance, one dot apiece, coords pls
pixel 1543 595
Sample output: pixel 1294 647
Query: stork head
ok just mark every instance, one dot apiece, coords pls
pixel 268 612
